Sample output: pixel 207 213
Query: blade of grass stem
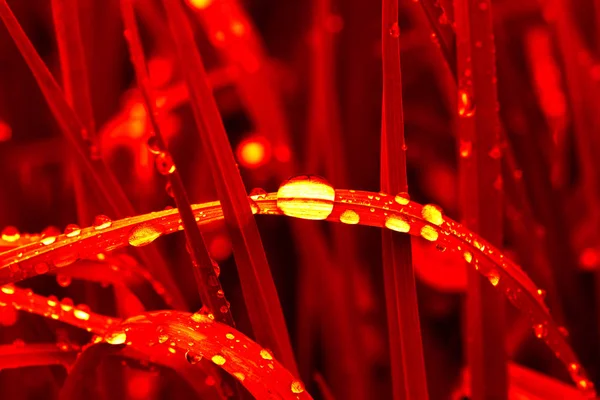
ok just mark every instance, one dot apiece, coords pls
pixel 481 199
pixel 441 24
pixel 207 281
pixel 72 128
pixel 404 329
pixel 259 290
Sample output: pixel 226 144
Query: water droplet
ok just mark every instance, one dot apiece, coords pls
pixel 154 145
pixel 164 164
pixel 81 312
pixel 541 293
pixel 465 148
pixel 540 331
pixel 265 354
pixel 162 338
pixel 494 278
pixel 297 387
pixel 349 217
pixel 115 338
pixel 72 230
pixel 258 193
pixel 468 256
pixel 466 105
pixel 395 30
pixel 428 232
pixel 144 234
pixel 307 197
pixel 218 359
pixel 230 336
pixel 402 198
pixel 397 223
pixel 102 222
pixel 63 280
pixel 432 214
pixel 7 289
pixel 49 235
pixel 10 234
pixel 41 268
pixel 199 317
pixel 240 376
pixel 192 357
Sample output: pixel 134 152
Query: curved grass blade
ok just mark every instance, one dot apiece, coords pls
pixel 370 209
pixel 209 287
pixel 72 128
pixel 404 329
pixel 260 294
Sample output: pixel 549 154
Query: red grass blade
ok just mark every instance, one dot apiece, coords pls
pixel 262 301
pixel 209 287
pixel 406 348
pixel 72 128
pixel 479 128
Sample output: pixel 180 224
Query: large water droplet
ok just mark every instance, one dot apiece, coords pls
pixel 117 337
pixel 218 359
pixel 397 223
pixel 49 235
pixel 306 197
pixel 297 387
pixel 10 234
pixel 349 217
pixel 402 198
pixel 428 232
pixel 144 234
pixel 432 214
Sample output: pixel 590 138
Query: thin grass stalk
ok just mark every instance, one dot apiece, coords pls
pixel 208 284
pixel 441 25
pixel 481 200
pixel 406 348
pixel 257 283
pixel 72 128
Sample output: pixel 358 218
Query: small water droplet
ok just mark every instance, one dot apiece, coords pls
pixel 397 223
pixel 307 197
pixel 144 234
pixel 49 235
pixel 265 354
pixel 41 268
pixel 349 217
pixel 199 317
pixel 162 338
pixel 297 387
pixel 468 256
pixel 432 214
pixel 466 105
pixel 102 222
pixel 164 164
pixel 465 148
pixel 154 145
pixel 63 280
pixel 230 336
pixel 239 376
pixel 218 359
pixel 82 312
pixel 192 357
pixel 494 278
pixel 72 230
pixel 258 193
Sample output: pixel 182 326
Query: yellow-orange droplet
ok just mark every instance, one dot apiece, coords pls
pixel 72 230
pixel 7 290
pixel 144 234
pixel 199 317
pixel 468 256
pixel 465 149
pixel 306 197
pixel 82 315
pixel 494 278
pixel 428 232
pixel 297 387
pixel 254 151
pixel 466 105
pixel 432 214
pixel 264 353
pixel 402 198
pixel 117 337
pixel 10 234
pixel 397 224
pixel 102 222
pixel 540 331
pixel 349 217
pixel 199 4
pixel 230 336
pixel 240 376
pixel 218 359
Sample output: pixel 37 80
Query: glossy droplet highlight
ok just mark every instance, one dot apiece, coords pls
pixel 49 235
pixel 397 223
pixel 192 357
pixel 154 145
pixel 239 376
pixel 144 234
pixel 264 353
pixel 10 234
pixel 428 232
pixel 432 214
pixel 468 256
pixel 162 338
pixel 102 222
pixel 494 278
pixel 115 338
pixel 349 217
pixel 218 359
pixel 540 331
pixel 306 197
